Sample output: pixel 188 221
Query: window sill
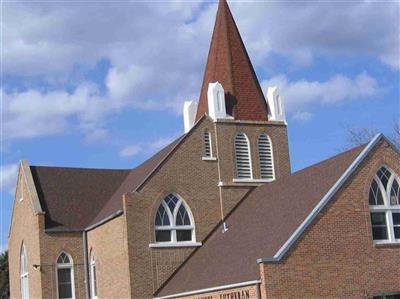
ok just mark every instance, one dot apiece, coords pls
pixel 386 244
pixel 252 180
pixel 174 245
pixel 209 158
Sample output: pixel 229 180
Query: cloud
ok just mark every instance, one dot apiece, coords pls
pixel 302 116
pixel 301 95
pixel 156 62
pixel 306 29
pixel 130 151
pixel 8 179
pixel 96 135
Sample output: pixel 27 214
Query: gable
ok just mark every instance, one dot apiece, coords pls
pixel 258 227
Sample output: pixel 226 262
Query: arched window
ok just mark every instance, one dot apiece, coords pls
pixel 65 276
pixel 384 203
pixel 207 148
pixel 174 221
pixel 265 156
pixel 93 276
pixel 242 155
pixel 24 273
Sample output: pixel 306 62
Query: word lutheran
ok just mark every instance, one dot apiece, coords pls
pixel 244 294
pixel 182 223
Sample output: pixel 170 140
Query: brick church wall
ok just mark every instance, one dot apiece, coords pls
pixel 196 181
pixel 336 256
pixel 24 228
pixel 109 244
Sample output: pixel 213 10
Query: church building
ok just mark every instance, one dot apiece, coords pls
pixel 216 214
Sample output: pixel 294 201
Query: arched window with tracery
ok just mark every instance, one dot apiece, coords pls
pixel 384 204
pixel 174 221
pixel 24 273
pixel 65 276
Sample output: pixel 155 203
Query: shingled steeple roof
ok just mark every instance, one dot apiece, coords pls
pixel 229 64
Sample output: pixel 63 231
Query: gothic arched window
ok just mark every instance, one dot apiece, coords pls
pixel 65 276
pixel 384 203
pixel 174 221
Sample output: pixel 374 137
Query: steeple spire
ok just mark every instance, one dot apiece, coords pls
pixel 229 64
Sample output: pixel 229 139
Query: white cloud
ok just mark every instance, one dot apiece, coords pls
pixel 8 177
pixel 156 61
pixel 301 95
pixel 130 151
pixel 304 29
pixel 302 116
pixel 96 135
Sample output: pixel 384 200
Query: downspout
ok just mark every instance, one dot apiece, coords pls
pixel 225 227
pixel 85 263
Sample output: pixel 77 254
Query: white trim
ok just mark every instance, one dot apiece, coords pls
pixel 213 289
pixel 252 180
pixel 172 218
pixel 386 208
pixel 271 148
pixel 92 263
pixel 250 162
pixel 24 276
pixel 323 202
pixel 70 266
pixel 209 158
pixel 174 244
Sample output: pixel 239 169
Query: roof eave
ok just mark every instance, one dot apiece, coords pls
pixel 324 201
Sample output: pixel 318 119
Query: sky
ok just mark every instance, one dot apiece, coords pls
pixel 101 84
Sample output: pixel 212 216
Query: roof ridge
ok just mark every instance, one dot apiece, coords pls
pixel 80 168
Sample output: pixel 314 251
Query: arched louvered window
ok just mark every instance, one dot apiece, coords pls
pixel 384 203
pixel 174 221
pixel 266 158
pixel 207 147
pixel 65 276
pixel 24 273
pixel 93 276
pixel 242 155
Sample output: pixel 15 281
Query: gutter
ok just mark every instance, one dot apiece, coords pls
pixel 322 203
pixel 213 289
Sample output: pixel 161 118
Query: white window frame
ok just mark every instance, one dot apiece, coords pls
pixel 70 266
pixel 272 156
pixel 93 284
pixel 386 207
pixel 24 273
pixel 173 227
pixel 237 178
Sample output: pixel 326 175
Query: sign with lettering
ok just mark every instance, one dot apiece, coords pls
pixel 243 294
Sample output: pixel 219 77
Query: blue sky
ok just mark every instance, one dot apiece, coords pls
pixel 102 84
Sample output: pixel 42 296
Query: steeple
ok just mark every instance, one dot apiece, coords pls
pixel 229 64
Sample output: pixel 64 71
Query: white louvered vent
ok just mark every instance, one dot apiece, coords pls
pixel 265 156
pixel 207 143
pixel 243 161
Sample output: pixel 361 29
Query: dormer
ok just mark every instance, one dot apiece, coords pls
pixel 276 111
pixel 216 101
pixel 189 114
